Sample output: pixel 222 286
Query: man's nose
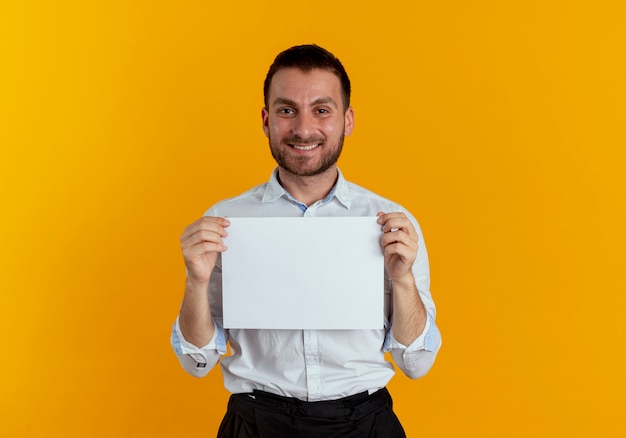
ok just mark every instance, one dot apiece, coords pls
pixel 303 125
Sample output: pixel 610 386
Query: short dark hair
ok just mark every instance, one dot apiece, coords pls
pixel 306 58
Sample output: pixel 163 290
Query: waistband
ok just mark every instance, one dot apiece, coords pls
pixel 352 407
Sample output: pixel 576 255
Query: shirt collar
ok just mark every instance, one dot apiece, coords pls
pixel 341 191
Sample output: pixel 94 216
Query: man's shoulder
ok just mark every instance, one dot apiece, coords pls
pixel 367 202
pixel 361 194
pixel 234 205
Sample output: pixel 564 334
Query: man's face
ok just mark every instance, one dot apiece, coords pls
pixel 305 120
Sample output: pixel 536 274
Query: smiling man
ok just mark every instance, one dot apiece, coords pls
pixel 308 383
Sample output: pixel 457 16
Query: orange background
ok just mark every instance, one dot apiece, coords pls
pixel 500 125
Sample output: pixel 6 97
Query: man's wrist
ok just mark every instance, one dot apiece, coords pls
pixel 193 285
pixel 405 282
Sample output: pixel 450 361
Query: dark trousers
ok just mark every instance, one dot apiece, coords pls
pixel 265 415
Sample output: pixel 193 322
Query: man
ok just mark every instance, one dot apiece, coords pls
pixel 308 383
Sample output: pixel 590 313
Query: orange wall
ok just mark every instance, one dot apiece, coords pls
pixel 499 124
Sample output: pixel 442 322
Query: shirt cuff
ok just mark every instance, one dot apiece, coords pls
pixel 199 354
pixel 427 340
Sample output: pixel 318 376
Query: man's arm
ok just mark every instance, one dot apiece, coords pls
pixel 414 338
pixel 409 314
pixel 400 244
pixel 201 243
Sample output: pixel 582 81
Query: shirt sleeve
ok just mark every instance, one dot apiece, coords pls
pixel 416 359
pixel 198 361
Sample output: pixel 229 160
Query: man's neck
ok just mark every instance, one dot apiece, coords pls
pixel 308 189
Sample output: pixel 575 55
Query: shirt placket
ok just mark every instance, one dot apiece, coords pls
pixel 311 343
pixel 312 364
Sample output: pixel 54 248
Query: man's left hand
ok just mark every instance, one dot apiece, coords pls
pixel 399 243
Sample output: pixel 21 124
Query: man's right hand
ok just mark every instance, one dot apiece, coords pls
pixel 202 243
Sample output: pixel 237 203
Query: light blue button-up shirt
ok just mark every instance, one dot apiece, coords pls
pixel 311 365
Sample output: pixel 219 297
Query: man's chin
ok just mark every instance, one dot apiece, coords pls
pixel 304 171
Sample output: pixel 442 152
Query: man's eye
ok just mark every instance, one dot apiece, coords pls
pixel 285 111
pixel 323 111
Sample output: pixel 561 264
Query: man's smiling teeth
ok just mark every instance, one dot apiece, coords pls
pixel 305 147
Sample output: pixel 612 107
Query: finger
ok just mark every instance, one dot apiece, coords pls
pixel 399 238
pixel 405 254
pixel 383 218
pixel 401 234
pixel 393 214
pixel 400 228
pixel 201 248
pixel 392 222
pixel 209 223
pixel 201 236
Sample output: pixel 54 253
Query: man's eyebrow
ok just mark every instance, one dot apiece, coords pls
pixel 283 101
pixel 318 101
pixel 325 100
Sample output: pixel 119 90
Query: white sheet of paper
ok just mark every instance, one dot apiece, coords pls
pixel 303 273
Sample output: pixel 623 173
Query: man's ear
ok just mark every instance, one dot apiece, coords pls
pixel 349 121
pixel 265 117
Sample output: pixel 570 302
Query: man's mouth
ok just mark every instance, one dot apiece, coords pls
pixel 304 147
